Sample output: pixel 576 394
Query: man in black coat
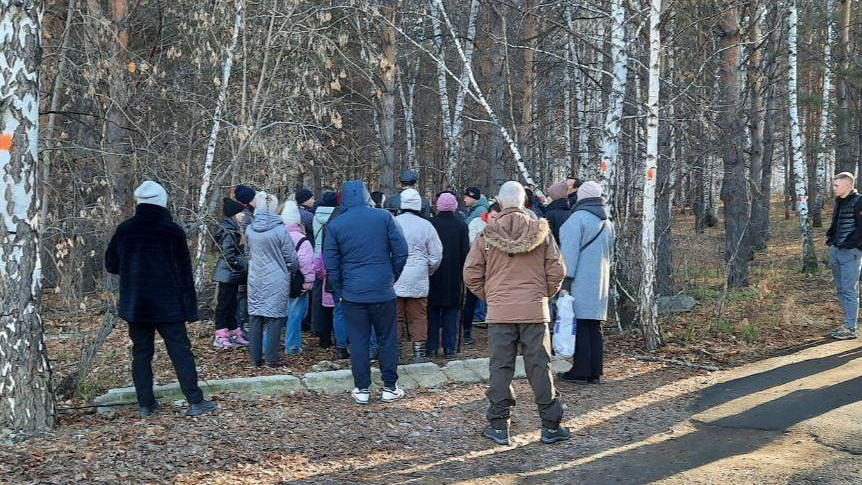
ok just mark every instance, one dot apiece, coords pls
pixel 157 294
pixel 559 210
pixel 446 296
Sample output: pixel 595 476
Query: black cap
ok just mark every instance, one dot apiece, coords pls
pixel 329 199
pixel 473 192
pixel 409 177
pixel 244 194
pixel 303 195
pixel 231 207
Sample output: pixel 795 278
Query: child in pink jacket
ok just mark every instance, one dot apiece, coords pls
pixel 305 253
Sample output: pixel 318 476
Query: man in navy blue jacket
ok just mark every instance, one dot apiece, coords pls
pixel 364 253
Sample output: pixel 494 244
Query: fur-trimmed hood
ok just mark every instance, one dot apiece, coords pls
pixel 515 232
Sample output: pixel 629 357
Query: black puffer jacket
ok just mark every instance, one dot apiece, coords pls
pixel 150 254
pixel 846 229
pixel 232 265
pixel 557 213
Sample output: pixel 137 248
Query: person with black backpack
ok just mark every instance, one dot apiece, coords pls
pixel 587 242
pixel 301 279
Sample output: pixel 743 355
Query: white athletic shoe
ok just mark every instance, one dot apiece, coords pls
pixel 361 396
pixel 390 395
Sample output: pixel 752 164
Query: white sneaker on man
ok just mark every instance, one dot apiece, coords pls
pixel 361 396
pixel 392 394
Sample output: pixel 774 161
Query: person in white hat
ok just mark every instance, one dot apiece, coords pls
pixel 157 294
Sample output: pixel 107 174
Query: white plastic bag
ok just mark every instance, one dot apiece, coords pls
pixel 564 328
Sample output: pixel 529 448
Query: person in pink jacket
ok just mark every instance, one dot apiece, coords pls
pixel 305 253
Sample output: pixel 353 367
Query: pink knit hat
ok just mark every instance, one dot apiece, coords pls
pixel 446 202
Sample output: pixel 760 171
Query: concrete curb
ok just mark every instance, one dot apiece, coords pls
pixel 410 376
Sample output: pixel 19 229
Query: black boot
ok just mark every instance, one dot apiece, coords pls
pixel 341 353
pixel 419 353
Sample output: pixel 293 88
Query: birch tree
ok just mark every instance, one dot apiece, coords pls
pixel 227 65
pixel 451 120
pixel 648 303
pixel 809 258
pixel 26 403
pixel 613 119
pixel 476 93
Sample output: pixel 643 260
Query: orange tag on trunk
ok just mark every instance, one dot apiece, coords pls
pixel 5 141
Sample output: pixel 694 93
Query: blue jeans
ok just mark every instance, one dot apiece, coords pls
pixel 846 265
pixel 361 318
pixel 481 311
pixel 339 328
pixel 264 333
pixel 295 314
pixel 445 319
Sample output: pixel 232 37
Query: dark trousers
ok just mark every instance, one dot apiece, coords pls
pixel 226 305
pixel 445 319
pixel 589 353
pixel 257 326
pixel 242 306
pixel 535 341
pixel 467 314
pixel 321 316
pixel 180 351
pixel 360 319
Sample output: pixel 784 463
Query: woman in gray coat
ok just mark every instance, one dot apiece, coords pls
pixel 586 242
pixel 272 259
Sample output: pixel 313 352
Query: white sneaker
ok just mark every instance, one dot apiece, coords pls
pixel 361 396
pixel 390 395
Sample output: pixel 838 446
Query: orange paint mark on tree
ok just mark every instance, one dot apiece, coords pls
pixel 133 67
pixel 650 174
pixel 5 141
pixel 604 166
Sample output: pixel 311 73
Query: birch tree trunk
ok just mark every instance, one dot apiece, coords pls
pixel 809 259
pixel 26 402
pixel 613 119
pixel 476 93
pixel 823 134
pixel 647 301
pixel 200 252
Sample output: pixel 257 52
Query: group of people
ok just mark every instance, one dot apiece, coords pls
pixel 371 271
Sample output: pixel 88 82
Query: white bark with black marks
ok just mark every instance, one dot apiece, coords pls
pixel 26 402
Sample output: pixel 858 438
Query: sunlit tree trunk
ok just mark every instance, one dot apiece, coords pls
pixel 613 119
pixel 647 301
pixel 809 258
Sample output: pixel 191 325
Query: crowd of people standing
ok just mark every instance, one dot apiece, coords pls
pixel 368 272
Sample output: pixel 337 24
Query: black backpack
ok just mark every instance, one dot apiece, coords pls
pixel 296 277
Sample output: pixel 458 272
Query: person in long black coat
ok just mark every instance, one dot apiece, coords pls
pixel 446 296
pixel 157 294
